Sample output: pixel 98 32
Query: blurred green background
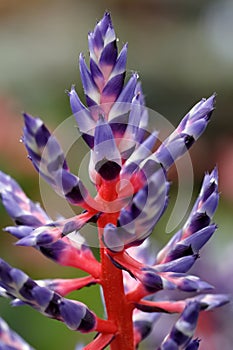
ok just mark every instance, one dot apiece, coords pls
pixel 182 50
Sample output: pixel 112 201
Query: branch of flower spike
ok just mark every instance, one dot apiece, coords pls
pixel 50 233
pixel 20 208
pixel 143 151
pixel 74 314
pixel 68 251
pixel 126 262
pixel 151 282
pixel 180 336
pixel 100 342
pixel 74 253
pixel 153 278
pixel 30 217
pixel 188 131
pixel 66 286
pixel 198 229
pixel 206 301
pixel 49 160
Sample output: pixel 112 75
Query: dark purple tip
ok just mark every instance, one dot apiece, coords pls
pixel 188 141
pixel 109 170
pixel 199 221
pixel 88 322
pixel 152 282
pixel 143 328
pixel 44 238
pixel 193 345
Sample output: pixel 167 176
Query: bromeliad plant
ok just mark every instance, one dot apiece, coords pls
pixel 130 177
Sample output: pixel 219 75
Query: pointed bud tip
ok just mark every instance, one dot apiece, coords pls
pixel 26 117
pixel 214 174
pixel 107 16
pixel 209 104
pixel 72 90
pixel 81 57
pixel 26 242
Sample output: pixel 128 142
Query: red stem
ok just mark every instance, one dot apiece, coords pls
pixel 118 308
pixel 100 342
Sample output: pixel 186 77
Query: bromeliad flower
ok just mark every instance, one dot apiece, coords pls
pixel 131 182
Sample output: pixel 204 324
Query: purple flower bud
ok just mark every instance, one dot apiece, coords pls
pixel 183 329
pixel 48 158
pixel 72 313
pixel 89 86
pixel 143 328
pixel 198 228
pixel 18 285
pixel 106 156
pixel 211 301
pixel 21 209
pixel 50 233
pixel 151 281
pixel 138 220
pixel 140 153
pixel 193 345
pixel 188 131
pixel 120 65
pixel 170 344
pixel 146 206
pixel 187 283
pixel 123 102
pixel 143 324
pixel 154 281
pixel 83 117
pixel 179 265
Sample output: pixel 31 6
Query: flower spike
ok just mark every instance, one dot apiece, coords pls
pixel 107 68
pixel 129 175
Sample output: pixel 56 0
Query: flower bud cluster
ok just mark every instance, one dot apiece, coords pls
pixel 129 173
